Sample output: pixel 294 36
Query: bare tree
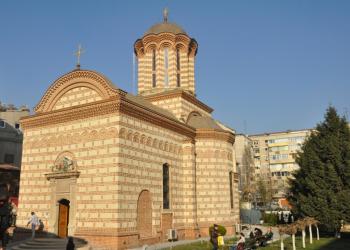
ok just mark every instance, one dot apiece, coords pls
pixel 247 172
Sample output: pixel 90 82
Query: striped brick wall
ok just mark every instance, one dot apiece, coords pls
pixel 214 163
pixel 180 107
pixel 187 81
pixel 77 96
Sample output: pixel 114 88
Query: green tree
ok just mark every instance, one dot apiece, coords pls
pixel 321 187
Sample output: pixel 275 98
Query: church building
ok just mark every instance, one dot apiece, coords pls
pixel 123 170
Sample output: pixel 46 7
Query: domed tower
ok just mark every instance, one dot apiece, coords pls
pixel 165 56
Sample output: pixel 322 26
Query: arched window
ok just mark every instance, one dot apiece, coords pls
pixel 166 67
pixel 154 64
pixel 231 188
pixel 178 80
pixel 166 190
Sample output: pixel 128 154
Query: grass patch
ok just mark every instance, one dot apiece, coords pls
pixel 322 244
pixel 204 245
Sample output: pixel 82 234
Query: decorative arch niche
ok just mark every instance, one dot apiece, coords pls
pixel 144 214
pixel 85 79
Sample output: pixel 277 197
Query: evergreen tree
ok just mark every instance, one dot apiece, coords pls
pixel 321 187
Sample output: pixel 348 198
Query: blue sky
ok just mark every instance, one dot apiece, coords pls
pixel 262 65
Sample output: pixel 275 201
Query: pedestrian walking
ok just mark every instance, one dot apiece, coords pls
pixel 33 222
pixel 214 237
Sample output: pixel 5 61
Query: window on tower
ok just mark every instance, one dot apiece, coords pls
pixel 178 83
pixel 166 191
pixel 166 67
pixel 231 188
pixel 154 84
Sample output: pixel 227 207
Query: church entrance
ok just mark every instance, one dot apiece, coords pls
pixel 63 218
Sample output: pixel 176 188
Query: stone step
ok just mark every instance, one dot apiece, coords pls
pixel 40 247
pixel 52 243
pixel 48 244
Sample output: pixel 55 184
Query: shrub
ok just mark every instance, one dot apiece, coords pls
pixel 221 230
pixel 270 219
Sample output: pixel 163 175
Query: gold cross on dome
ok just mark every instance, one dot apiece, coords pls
pixel 78 54
pixel 165 15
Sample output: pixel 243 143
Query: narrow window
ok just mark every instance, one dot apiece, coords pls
pixel 178 83
pixel 2 124
pixel 154 68
pixel 166 67
pixel 231 188
pixel 166 186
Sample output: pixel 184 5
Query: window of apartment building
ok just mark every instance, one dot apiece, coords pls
pixel 295 147
pixel 166 191
pixel 279 157
pixel 297 139
pixel 256 142
pixel 279 148
pixel 256 150
pixel 2 124
pixel 9 158
pixel 278 140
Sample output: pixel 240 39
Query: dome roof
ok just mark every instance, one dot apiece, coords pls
pixel 165 27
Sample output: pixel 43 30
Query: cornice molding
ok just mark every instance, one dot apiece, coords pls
pixel 178 93
pixel 116 104
pixel 83 111
pixel 74 79
pixel 215 134
pixel 176 41
pixel 62 175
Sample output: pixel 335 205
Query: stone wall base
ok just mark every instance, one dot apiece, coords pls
pixel 130 241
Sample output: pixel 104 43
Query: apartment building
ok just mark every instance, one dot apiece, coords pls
pixel 11 139
pixel 274 158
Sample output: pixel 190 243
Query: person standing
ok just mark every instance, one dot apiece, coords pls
pixel 70 244
pixel 33 221
pixel 214 234
pixel 13 213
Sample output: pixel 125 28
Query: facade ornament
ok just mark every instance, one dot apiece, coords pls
pixel 64 164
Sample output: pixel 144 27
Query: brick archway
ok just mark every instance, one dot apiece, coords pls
pixel 144 214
